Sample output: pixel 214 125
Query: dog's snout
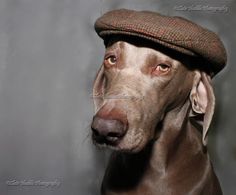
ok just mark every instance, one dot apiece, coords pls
pixel 107 131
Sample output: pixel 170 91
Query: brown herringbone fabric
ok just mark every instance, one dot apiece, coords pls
pixel 175 33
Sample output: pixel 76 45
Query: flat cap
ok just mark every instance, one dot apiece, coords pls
pixel 173 32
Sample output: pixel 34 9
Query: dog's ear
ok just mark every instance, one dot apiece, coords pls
pixel 203 101
pixel 98 89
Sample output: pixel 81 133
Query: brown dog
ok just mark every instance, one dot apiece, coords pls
pixel 154 103
pixel 153 107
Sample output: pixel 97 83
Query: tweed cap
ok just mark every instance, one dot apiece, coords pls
pixel 175 33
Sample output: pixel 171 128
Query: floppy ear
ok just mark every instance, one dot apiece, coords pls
pixel 98 89
pixel 203 101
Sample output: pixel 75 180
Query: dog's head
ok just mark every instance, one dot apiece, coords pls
pixel 137 85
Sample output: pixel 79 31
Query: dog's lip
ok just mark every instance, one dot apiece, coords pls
pixel 116 145
pixel 112 145
pixel 112 139
pixel 109 141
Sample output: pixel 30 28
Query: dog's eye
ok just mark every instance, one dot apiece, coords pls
pixel 161 69
pixel 110 61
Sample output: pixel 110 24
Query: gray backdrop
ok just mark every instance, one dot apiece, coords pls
pixel 49 55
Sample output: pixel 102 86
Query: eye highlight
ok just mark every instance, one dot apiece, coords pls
pixel 161 69
pixel 110 61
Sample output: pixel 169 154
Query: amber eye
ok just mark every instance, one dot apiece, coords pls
pixel 161 69
pixel 110 61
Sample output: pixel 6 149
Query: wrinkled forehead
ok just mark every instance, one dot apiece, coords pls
pixel 111 42
pixel 138 53
pixel 120 41
pixel 142 46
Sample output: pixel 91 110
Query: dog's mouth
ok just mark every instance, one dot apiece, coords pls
pixel 122 144
pixel 110 140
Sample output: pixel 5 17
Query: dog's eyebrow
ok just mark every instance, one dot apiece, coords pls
pixel 154 59
pixel 151 59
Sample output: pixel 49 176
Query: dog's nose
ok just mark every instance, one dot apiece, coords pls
pixel 107 131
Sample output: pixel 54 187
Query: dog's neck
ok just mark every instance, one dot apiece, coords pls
pixel 179 142
pixel 175 157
